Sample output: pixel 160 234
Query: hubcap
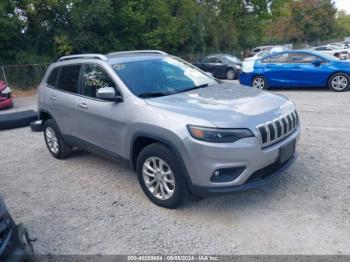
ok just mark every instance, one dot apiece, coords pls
pixel 51 139
pixel 230 74
pixel 339 83
pixel 259 83
pixel 159 178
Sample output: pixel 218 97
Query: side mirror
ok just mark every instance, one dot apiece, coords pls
pixel 317 62
pixel 108 93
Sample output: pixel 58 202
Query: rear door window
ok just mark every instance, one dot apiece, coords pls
pixel 214 60
pixel 303 58
pixel 69 78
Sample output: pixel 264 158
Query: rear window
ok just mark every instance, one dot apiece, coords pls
pixel 69 78
pixel 52 79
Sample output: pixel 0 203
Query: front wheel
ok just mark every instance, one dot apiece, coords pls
pixel 54 141
pixel 339 82
pixel 260 83
pixel 230 74
pixel 161 176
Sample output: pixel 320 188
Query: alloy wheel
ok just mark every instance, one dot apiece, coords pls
pixel 230 75
pixel 339 83
pixel 158 178
pixel 259 83
pixel 51 139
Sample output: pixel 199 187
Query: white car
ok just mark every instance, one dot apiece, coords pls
pixel 333 50
pixel 339 45
pixel 248 63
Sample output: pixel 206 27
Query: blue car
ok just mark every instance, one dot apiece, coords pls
pixel 298 69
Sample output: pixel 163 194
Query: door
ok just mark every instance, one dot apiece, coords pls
pixel 306 73
pixel 62 97
pixel 277 69
pixel 101 122
pixel 216 66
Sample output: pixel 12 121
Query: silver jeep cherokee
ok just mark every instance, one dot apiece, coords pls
pixel 181 130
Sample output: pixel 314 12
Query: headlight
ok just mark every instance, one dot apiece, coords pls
pixel 6 91
pixel 218 135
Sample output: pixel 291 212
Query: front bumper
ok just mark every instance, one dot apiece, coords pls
pixel 247 154
pixel 246 78
pixel 263 177
pixel 5 103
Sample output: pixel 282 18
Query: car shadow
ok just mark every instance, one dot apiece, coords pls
pixel 292 89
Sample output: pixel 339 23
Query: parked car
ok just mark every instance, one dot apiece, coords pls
pixel 5 96
pixel 248 63
pixel 181 130
pixel 14 241
pixel 220 65
pixel 333 50
pixel 339 45
pixel 261 48
pixel 298 69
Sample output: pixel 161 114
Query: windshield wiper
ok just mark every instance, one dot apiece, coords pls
pixel 192 88
pixel 158 94
pixel 155 94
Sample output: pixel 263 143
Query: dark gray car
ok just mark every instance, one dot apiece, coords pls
pixel 180 129
pixel 220 65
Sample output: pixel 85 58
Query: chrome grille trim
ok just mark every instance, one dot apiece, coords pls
pixel 287 123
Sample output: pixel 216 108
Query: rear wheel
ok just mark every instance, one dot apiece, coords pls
pixel 54 141
pixel 161 176
pixel 339 82
pixel 230 74
pixel 260 82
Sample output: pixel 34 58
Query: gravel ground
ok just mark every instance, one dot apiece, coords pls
pixel 90 205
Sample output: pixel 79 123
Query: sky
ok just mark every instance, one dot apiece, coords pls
pixel 343 4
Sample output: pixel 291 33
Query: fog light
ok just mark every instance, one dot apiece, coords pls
pixel 227 174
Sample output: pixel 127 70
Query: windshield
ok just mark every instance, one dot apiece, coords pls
pixel 161 76
pixel 231 58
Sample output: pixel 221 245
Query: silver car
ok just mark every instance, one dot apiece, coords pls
pixel 181 130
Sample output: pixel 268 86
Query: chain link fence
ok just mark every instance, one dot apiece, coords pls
pixel 23 77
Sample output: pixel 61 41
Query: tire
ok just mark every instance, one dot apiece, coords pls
pixel 260 82
pixel 151 156
pixel 339 82
pixel 230 74
pixel 56 146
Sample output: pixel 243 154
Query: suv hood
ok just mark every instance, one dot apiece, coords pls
pixel 224 104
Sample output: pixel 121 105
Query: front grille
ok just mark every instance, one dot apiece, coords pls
pixel 275 130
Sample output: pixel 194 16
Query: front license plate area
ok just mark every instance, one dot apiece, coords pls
pixel 286 152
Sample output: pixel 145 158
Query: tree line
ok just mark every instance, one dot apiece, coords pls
pixel 36 31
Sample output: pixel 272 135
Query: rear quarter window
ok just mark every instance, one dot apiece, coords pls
pixel 52 79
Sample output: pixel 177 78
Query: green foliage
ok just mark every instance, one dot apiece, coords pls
pixel 343 24
pixel 34 31
pixel 303 21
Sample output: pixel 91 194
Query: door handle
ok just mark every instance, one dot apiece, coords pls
pixel 53 97
pixel 83 105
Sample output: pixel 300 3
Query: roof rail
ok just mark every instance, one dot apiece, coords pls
pixel 69 57
pixel 138 52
